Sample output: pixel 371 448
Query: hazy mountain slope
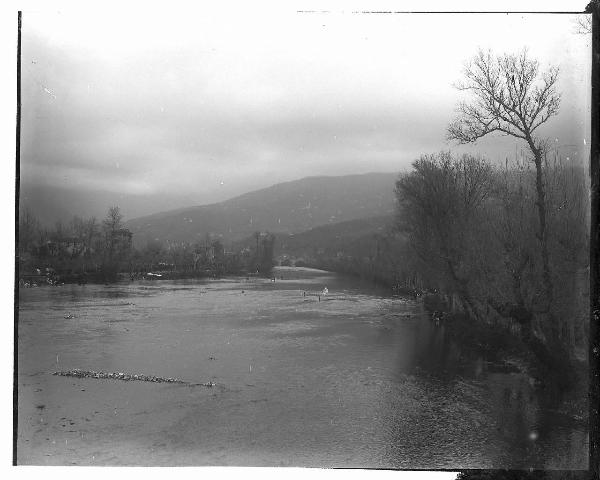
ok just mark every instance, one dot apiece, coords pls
pixel 340 237
pixel 289 207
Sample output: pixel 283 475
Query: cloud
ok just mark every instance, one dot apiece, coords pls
pixel 214 106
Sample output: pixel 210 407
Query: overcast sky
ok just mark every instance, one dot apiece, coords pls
pixel 198 108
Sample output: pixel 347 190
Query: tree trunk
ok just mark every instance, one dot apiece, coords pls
pixel 543 230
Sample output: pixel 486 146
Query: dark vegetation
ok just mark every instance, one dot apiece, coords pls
pixel 86 250
pixel 367 248
pixel 509 243
pixel 465 239
pixel 473 230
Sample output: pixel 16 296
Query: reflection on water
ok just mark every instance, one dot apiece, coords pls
pixel 353 378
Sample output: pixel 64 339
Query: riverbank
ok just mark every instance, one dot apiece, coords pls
pixel 99 278
pixel 504 347
pixel 499 342
pixel 552 374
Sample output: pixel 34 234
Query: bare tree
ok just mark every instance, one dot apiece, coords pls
pixel 257 256
pixel 111 224
pixel 583 24
pixel 511 96
pixel 113 219
pixel 91 231
pixel 28 226
pixel 439 202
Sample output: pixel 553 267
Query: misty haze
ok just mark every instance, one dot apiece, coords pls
pixel 304 239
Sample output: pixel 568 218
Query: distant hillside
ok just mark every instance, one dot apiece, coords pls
pixel 284 208
pixel 349 238
pixel 370 248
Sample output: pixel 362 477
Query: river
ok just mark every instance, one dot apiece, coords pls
pixel 355 378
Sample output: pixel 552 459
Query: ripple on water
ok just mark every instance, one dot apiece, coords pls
pixel 357 379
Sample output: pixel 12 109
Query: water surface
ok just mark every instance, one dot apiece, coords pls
pixel 355 379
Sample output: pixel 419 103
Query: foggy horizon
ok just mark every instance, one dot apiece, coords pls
pixel 170 111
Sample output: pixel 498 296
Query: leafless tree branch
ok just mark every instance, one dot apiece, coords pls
pixel 509 96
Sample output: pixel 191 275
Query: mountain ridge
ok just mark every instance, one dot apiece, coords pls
pixel 286 207
pixel 242 195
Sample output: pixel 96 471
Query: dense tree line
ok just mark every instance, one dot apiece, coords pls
pixel 473 229
pixel 83 247
pixel 88 250
pixel 520 248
